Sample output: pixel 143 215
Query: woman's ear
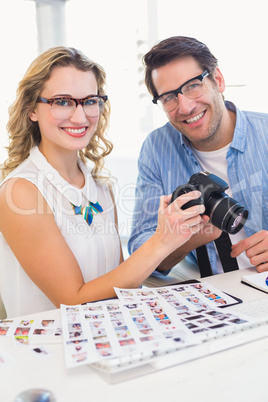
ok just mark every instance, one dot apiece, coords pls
pixel 33 115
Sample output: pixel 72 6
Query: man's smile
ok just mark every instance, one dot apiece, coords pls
pixel 195 118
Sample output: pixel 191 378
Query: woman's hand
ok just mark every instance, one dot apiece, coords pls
pixel 175 225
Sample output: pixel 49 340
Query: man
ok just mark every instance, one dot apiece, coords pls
pixel 203 133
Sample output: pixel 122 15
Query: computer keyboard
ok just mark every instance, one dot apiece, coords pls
pixel 255 308
pixel 126 367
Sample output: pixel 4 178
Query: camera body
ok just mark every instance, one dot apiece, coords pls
pixel 225 213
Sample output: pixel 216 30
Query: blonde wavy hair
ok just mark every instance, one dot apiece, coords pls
pixel 24 134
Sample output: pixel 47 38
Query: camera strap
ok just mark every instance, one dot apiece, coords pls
pixel 223 245
pixel 203 261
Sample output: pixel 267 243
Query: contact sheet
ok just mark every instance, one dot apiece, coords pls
pixel 144 320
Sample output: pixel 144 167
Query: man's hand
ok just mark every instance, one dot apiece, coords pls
pixel 256 248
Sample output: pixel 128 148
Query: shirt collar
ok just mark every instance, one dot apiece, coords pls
pixel 239 138
pixel 71 193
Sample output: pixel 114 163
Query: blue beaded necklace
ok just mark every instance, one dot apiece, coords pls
pixel 88 212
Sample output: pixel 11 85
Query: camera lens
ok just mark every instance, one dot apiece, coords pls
pixel 225 213
pixel 238 220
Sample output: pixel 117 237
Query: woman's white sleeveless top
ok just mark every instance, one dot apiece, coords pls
pixel 95 247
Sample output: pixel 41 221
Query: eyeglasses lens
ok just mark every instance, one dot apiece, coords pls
pixel 93 107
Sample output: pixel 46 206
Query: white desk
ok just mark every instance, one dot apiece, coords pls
pixel 238 374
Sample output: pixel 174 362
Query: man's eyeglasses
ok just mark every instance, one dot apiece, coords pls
pixel 192 89
pixel 64 107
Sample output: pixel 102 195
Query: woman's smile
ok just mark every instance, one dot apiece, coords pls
pixel 77 132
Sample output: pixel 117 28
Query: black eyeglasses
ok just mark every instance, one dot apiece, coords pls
pixel 64 107
pixel 192 89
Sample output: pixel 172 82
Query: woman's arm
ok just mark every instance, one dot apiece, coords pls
pixel 28 225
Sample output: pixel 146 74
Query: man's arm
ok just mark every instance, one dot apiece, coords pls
pixel 204 236
pixel 149 189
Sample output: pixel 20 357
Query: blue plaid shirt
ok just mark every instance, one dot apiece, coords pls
pixel 166 161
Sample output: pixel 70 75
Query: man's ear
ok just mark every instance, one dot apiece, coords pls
pixel 33 115
pixel 219 80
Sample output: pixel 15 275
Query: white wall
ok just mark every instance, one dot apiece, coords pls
pixel 116 33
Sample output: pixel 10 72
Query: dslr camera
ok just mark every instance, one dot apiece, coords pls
pixel 225 213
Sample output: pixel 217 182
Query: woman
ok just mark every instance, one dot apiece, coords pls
pixel 58 220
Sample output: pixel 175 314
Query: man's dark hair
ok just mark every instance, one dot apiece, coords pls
pixel 174 48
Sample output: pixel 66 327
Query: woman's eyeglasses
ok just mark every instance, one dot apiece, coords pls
pixel 64 107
